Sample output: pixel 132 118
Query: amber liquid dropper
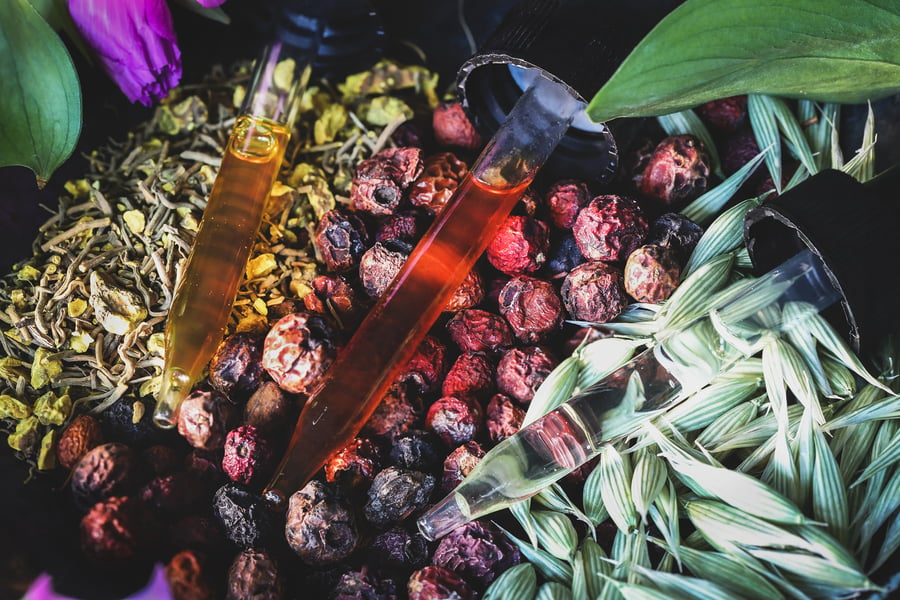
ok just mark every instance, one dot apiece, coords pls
pixel 392 331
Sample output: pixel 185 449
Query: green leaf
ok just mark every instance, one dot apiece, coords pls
pixel 844 51
pixel 40 99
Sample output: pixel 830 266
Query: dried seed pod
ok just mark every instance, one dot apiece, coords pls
pixel 320 527
pixel 380 264
pixel 677 171
pixel 471 375
pixel 593 292
pixel 563 201
pixel 521 371
pixel 476 330
pixel 81 435
pixel 236 367
pixel 609 228
pixel 651 274
pixel 396 494
pixel 205 417
pixel 254 575
pixel 104 471
pixel 460 463
pixel 113 531
pixel 477 552
pixel 340 239
pixel 502 417
pixel 453 128
pixel 440 177
pixel 520 246
pixel 298 351
pixel 380 181
pixel 532 307
pixel 455 420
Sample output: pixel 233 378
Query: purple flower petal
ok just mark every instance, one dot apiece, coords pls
pixel 135 41
pixel 210 3
pixel 157 588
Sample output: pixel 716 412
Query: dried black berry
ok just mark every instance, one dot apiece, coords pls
pixel 236 369
pixel 245 517
pixel 416 450
pixel 397 493
pixel 130 421
pixel 320 527
pixel 398 549
pixel 677 233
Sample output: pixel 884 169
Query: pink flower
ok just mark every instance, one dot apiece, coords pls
pixel 135 42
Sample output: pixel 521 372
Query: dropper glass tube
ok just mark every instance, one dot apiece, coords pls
pixel 215 267
pixel 658 378
pixel 392 331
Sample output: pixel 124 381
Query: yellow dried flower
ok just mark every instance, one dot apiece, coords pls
pixel 330 123
pixel 25 435
pixel 259 305
pixel 51 409
pixel 11 407
pixel 80 341
pixel 28 273
pixel 79 189
pixel 76 307
pixel 11 369
pixel 47 455
pixel 118 309
pixel 44 368
pixel 385 109
pixel 262 265
pixel 156 343
pixel 135 220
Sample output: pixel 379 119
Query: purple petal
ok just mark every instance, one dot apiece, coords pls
pixel 157 589
pixel 210 3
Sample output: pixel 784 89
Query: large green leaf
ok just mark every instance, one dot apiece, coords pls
pixel 844 51
pixel 40 99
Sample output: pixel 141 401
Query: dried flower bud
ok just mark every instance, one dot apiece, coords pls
pixel 459 464
pixel 380 181
pixel 204 419
pixel 471 375
pixel 440 177
pixel 651 274
pixel 678 170
pixel 564 199
pixel 104 471
pixel 298 351
pixel 236 368
pixel 610 228
pixel 81 435
pixel 532 307
pixel 453 128
pixel 396 494
pixel 520 246
pixel 380 264
pixel 340 239
pixel 476 330
pixel 521 371
pixel 593 292
pixel 320 528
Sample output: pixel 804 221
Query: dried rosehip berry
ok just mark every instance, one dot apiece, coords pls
pixel 105 471
pixel 564 255
pixel 725 115
pixel 678 170
pixel 81 435
pixel 245 517
pixel 363 585
pixel 355 465
pixel 521 371
pixel 398 549
pixel 177 493
pixel 189 577
pixel 206 465
pixel 427 366
pixel 503 418
pixel 532 307
pixel 405 225
pixel 459 464
pixel 563 201
pixel 476 330
pixel 469 293
pixel 254 575
pixel 236 367
pixel 380 264
pixel 205 417
pixel 113 530
pixel 409 133
pixel 248 456
pixel 738 149
pixel 453 128
pixel 593 292
pixel 340 240
pixel 269 410
pixel 651 274
pixel 400 409
pixel 397 493
pixel 320 527
pixel 379 183
pixel 677 233
pixel 610 228
pixel 455 420
pixel 436 583
pixel 520 246
pixel 298 351
pixel 336 297
pixel 471 375
pixel 416 450
pixel 477 552
pixel 440 177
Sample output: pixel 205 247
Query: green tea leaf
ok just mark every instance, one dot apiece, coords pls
pixel 834 50
pixel 40 99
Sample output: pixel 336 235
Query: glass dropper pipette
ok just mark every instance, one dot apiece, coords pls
pixel 396 325
pixel 657 379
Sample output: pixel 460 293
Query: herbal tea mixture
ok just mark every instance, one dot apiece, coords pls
pixel 778 479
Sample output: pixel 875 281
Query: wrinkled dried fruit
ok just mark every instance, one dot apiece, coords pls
pixel 532 307
pixel 455 420
pixel 471 375
pixel 564 199
pixel 298 351
pixel 677 233
pixel 520 245
pixel 521 371
pixel 380 181
pixel 397 493
pixel 593 292
pixel 398 549
pixel 440 177
pixel 437 583
pixel 725 115
pixel 354 465
pixel 477 552
pixel 363 585
pixel 248 456
pixel 320 527
pixel 189 577
pixel 416 450
pixel 453 128
pixel 340 239
pixel 254 575
pixel 609 228
pixel 245 517
pixel 400 410
pixel 405 225
pixel 677 171
pixel 104 471
pixel 236 368
pixel 502 417
pixel 269 410
pixel 476 330
pixel 427 366
pixel 651 274
pixel 469 294
pixel 380 264
pixel 81 435
pixel 204 419
pixel 112 531
pixel 459 464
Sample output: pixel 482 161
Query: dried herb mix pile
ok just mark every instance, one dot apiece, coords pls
pixel 374 158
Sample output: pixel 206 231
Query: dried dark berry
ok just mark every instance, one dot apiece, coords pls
pixel 205 417
pixel 363 585
pixel 651 274
pixel 453 128
pixel 476 330
pixel 405 225
pixel 521 371
pixel 160 460
pixel 532 307
pixel 520 246
pixel 320 527
pixel 400 410
pixel 189 577
pixel 340 240
pixel 245 517
pixel 236 368
pixel 437 583
pixel 298 351
pixel 269 410
pixel 113 531
pixel 416 450
pixel 529 203
pixel 563 201
pixel 610 228
pixel 105 471
pixel 477 552
pixel 428 365
pixel 469 293
pixel 725 115
pixel 248 456
pixel 397 493
pixel 336 297
pixel 409 133
pixel 354 465
pixel 380 181
pixel 455 420
pixel 130 421
pixel 471 375
pixel 738 149
pixel 254 575
pixel 196 532
pixel 677 233
pixel 398 549
pixel 440 177
pixel 81 435
pixel 593 292
pixel 677 171
pixel 380 264
pixel 502 417
pixel 178 493
pixel 459 464
pixel 564 255
pixel 206 465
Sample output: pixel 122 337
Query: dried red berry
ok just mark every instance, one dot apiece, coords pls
pixel 298 351
pixel 320 527
pixel 477 552
pixel 400 410
pixel 471 375
pixel 453 128
pixel 397 493
pixel 405 225
pixel 563 201
pixel 189 577
pixel 476 330
pixel 354 465
pixel 469 294
pixel 455 420
pixel 204 419
pixel 593 292
pixel 427 366
pixel 521 372
pixel 380 264
pixel 437 583
pixel 532 307
pixel 503 418
pixel 651 274
pixel 336 297
pixel 363 585
pixel 255 575
pixel 81 435
pixel 269 410
pixel 340 240
pixel 248 456
pixel 112 531
pixel 520 246
pixel 609 228
pixel 459 464
pixel 104 471
pixel 725 115
pixel 678 170
pixel 380 181
pixel 236 368
pixel 175 494
pixel 440 177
